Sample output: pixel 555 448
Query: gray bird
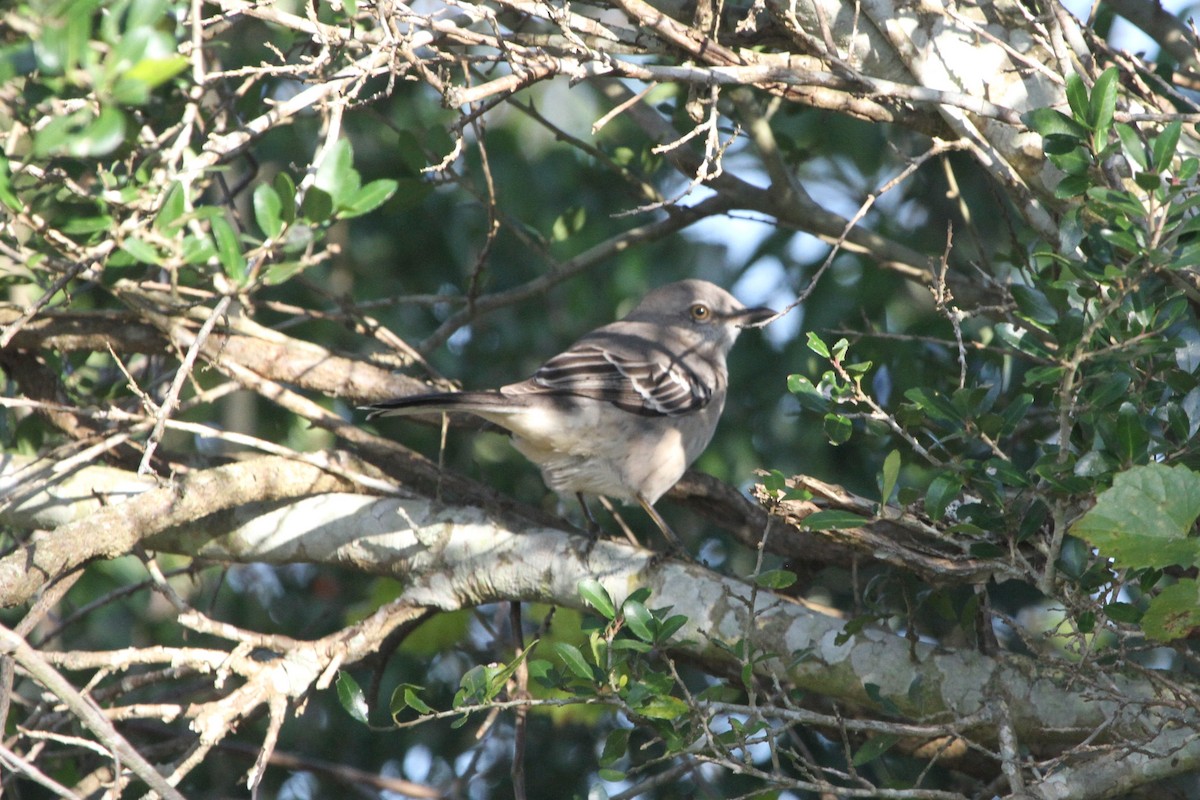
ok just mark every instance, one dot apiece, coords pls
pixel 626 409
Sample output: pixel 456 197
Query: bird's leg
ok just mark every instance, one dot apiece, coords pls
pixel 676 546
pixel 593 527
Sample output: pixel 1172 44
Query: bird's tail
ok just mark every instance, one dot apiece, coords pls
pixel 482 403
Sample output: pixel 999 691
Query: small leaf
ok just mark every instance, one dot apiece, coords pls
pixel 285 188
pixel 775 579
pixel 942 489
pixel 571 656
pixel 639 619
pixel 367 199
pixel 405 696
pixel 664 707
pixel 1101 106
pixel 615 746
pixel 1048 122
pixel 1132 144
pixel 141 250
pixel 336 175
pixel 832 520
pixel 889 476
pixel 873 748
pixel 1077 97
pixel 1165 144
pixel 596 596
pixel 268 210
pixel 817 346
pixel 807 394
pixel 839 429
pixel 351 696
pixel 229 251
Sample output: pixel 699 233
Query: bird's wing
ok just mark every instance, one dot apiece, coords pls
pixel 651 384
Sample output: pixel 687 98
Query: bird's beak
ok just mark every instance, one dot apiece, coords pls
pixel 753 317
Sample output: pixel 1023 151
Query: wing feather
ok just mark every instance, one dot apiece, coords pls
pixel 650 384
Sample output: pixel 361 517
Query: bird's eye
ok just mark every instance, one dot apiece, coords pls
pixel 700 312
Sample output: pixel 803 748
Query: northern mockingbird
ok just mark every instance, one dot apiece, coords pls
pixel 627 408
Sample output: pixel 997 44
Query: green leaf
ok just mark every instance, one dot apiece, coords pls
pixel 1048 122
pixel 1165 144
pixel 571 656
pixel 664 707
pixel 775 579
pixel 639 619
pixel 1077 97
pixel 172 209
pixel 1146 518
pixel 1072 186
pixel 404 696
pixel 873 748
pixel 615 746
pixel 336 175
pixel 838 428
pixel 285 188
pixel 1174 612
pixel 6 193
pixel 807 394
pixel 351 696
pixel 817 346
pixel 832 520
pixel 268 210
pixel 596 596
pixel 889 476
pixel 282 272
pixel 1132 143
pixel 1101 106
pixel 942 489
pixel 155 71
pixel 317 206
pixel 367 199
pixel 229 250
pixel 1123 612
pixel 140 249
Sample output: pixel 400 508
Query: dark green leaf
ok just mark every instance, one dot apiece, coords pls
pixel 817 346
pixel 1048 122
pixel 874 747
pixel 1077 97
pixel 639 619
pixel 1165 144
pixel 229 250
pixel 615 746
pixel 810 396
pixel 317 205
pixel 1101 106
pixel 838 428
pixel 351 696
pixel 571 656
pixel 596 596
pixel 1132 143
pixel 1123 612
pixel 942 489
